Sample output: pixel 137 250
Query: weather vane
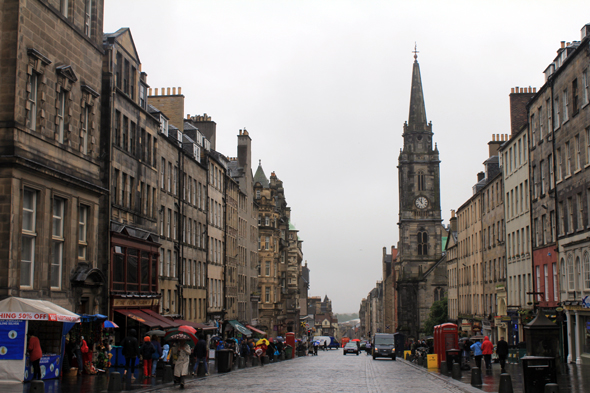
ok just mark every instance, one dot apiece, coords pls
pixel 415 51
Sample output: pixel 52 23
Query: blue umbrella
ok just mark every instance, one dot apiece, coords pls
pixel 110 325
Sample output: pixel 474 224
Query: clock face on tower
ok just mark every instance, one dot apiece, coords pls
pixel 421 202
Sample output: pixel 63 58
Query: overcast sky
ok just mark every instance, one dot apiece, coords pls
pixel 323 88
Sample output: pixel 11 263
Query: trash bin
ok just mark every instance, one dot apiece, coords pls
pixel 537 372
pixel 224 360
pixel 453 356
pixel 288 351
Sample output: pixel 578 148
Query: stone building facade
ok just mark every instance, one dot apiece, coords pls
pixel 130 140
pixel 517 212
pixel 421 278
pixel 240 170
pixel 50 121
pixel 452 253
pixel 562 105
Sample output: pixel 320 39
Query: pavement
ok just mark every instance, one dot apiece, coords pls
pixel 327 372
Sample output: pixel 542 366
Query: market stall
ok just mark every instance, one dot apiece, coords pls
pixel 49 321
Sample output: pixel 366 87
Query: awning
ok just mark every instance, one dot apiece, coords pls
pixel 256 330
pixel 196 325
pixel 140 317
pixel 17 308
pixel 240 328
pixel 92 318
pixel 165 322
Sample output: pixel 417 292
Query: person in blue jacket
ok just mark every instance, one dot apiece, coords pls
pixel 476 348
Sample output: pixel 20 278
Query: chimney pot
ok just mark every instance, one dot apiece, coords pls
pixel 188 117
pixel 512 90
pixel 156 91
pixel 150 91
pixel 493 137
pixel 174 91
pixel 562 44
pixel 168 91
pixel 179 90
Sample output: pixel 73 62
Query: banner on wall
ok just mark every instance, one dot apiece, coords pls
pixel 12 340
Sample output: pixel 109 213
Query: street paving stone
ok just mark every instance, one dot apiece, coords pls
pixel 327 372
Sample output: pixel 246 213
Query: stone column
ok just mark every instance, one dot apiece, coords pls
pixel 569 335
pixel 578 343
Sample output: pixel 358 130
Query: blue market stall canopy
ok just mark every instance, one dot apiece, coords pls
pixel 92 318
pixel 16 308
pixel 240 328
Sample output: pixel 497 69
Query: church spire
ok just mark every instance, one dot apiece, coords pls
pixel 417 116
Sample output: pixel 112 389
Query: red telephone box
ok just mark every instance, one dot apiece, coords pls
pixel 446 336
pixel 290 339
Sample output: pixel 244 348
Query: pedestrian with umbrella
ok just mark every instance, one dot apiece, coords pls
pixel 181 366
pixel 130 351
pixel 156 355
pixel 201 354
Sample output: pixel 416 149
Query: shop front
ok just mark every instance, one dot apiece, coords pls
pixel 47 321
pixel 578 330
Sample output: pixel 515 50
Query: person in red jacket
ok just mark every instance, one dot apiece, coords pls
pixel 487 348
pixel 35 354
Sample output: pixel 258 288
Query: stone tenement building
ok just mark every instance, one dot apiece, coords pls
pixel 559 135
pixel 421 275
pixel 240 170
pixel 52 153
pixel 129 140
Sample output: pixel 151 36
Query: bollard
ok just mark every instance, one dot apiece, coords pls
pixel 505 384
pixel 456 372
pixel 407 356
pixel 115 384
pixel 37 386
pixel 282 356
pixel 168 374
pixel 275 358
pixel 420 361
pixel 425 363
pixel 265 360
pixel 241 362
pixel 551 388
pixel 255 361
pixel 476 377
pixel 443 368
pixel 201 369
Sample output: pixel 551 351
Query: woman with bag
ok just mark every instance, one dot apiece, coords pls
pixel 181 366
pixel 146 351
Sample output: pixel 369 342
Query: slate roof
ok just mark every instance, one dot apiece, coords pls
pixel 260 177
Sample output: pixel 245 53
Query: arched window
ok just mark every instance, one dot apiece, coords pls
pixel 421 181
pixel 562 282
pixel 578 275
pixel 586 271
pixel 570 273
pixel 422 243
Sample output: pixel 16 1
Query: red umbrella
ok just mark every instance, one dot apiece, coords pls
pixel 187 329
pixel 356 339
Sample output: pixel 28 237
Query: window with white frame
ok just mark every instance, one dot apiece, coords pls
pixel 586 274
pixel 83 232
pixel 550 168
pixel 571 273
pixel 57 249
pixel 568 159
pixel 84 131
pixel 556 108
pixel 88 17
pixel 61 110
pixel 585 88
pixel 578 152
pixel 548 113
pixel 32 88
pixel 542 179
pixel 566 106
pixel 168 262
pixel 580 209
pixel 540 124
pixel 563 270
pixel 64 7
pixel 28 238
pixel 533 131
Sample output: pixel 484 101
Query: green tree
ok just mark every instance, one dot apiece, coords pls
pixel 438 315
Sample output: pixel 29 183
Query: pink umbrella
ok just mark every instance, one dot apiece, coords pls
pixel 187 329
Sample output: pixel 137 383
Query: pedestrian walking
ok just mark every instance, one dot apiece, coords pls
pixel 78 354
pixel 316 345
pixel 200 354
pixel 476 348
pixel 130 351
pixel 487 348
pixel 147 351
pixel 467 350
pixel 35 354
pixel 181 366
pixel 157 354
pixel 502 352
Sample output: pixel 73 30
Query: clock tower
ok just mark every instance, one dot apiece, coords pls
pixel 420 228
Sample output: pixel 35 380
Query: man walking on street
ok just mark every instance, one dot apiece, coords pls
pixel 487 348
pixel 201 355
pixel 130 351
pixel 502 352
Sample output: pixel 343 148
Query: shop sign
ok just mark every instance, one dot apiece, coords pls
pixel 586 302
pixel 35 316
pixel 12 340
pixel 135 302
pixel 255 298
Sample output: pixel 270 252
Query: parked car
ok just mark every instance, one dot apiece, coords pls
pixel 350 347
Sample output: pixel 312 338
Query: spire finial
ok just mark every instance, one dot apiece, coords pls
pixel 259 162
pixel 415 52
